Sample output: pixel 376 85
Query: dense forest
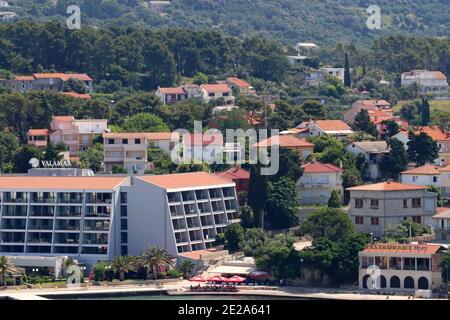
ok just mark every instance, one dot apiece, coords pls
pixel 326 22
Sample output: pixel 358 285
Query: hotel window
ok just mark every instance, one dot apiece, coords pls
pixel 137 141
pixel 416 203
pixel 110 141
pixel 405 203
pixel 124 237
pixel 417 219
pixel 226 94
pixel 435 179
pixel 359 220
pixel 123 197
pixel 124 141
pixel 211 95
pixel 124 250
pixel 374 204
pixel 123 211
pixel 375 221
pixel 359 203
pixel 124 224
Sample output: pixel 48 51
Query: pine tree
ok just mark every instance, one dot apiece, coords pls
pixel 362 123
pixel 347 76
pixel 335 199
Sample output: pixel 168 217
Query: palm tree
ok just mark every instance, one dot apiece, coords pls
pixel 6 267
pixel 122 265
pixel 154 258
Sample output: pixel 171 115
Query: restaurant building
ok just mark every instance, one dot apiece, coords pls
pixel 396 266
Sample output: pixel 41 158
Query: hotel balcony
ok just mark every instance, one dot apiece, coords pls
pixel 93 225
pixel 178 224
pixel 46 225
pixel 42 211
pixel 99 198
pixel 15 197
pixel 176 211
pixel 98 212
pixel 68 212
pixel 65 249
pixel 39 238
pixel 12 238
pixel 215 194
pixel 67 226
pixel 13 224
pixel 95 239
pixel 43 197
pixel 14 211
pixel 181 238
pixel 70 197
pixel 94 250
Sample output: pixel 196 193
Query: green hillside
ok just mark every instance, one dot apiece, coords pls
pixel 325 22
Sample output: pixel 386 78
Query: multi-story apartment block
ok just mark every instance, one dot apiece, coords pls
pixel 48 82
pixel 375 207
pixel 61 216
pixel 129 149
pixel 186 212
pixel 98 218
pixel 401 267
pixel 434 82
pixel 77 135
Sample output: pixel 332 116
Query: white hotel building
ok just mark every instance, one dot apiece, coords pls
pixel 98 218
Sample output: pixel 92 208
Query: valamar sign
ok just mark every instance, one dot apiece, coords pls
pixel 49 164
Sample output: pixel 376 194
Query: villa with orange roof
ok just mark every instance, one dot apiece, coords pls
pixel 426 175
pixel 375 207
pixel 48 82
pixel 77 135
pixel 216 91
pixel 317 182
pixel 244 88
pixel 369 105
pixel 239 176
pixel 336 128
pixel 301 146
pixel 440 137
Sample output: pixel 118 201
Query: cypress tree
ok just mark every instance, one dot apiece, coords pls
pixel 347 76
pixel 426 118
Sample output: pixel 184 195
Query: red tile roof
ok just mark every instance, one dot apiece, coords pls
pixel 63 76
pixel 216 88
pixel 142 135
pixel 427 169
pixel 63 118
pixel 234 174
pixel 403 248
pixel 186 180
pixel 178 90
pixel 238 82
pixel 59 183
pixel 434 132
pixel 318 167
pixel 24 78
pixel 285 141
pixel 332 125
pixel 387 186
pixel 38 132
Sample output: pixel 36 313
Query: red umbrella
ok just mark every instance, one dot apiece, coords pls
pixel 198 279
pixel 218 279
pixel 236 279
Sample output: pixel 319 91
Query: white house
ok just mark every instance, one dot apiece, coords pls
pixel 426 175
pixel 317 182
pixel 434 82
pixel 335 128
pixel 334 72
pixel 216 91
pixel 373 152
